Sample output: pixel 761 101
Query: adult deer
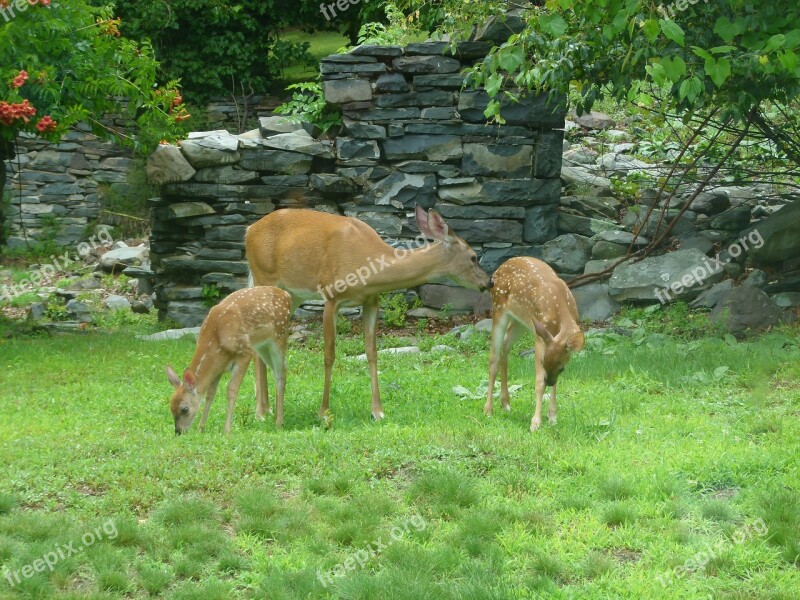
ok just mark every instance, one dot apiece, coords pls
pixel 528 293
pixel 310 253
pixel 248 323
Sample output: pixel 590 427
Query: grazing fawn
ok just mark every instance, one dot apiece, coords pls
pixel 528 293
pixel 248 323
pixel 310 253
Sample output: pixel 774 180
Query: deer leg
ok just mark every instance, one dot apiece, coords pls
pixel 210 393
pixel 262 388
pixel 370 321
pixel 329 332
pixel 237 375
pixel 536 421
pixel 495 358
pixel 279 371
pixel 511 335
pixel 552 409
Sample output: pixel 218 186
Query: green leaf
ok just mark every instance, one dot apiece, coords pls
pixel 674 67
pixel 788 60
pixel 730 340
pixel 511 58
pixel 727 29
pixel 722 49
pixel 657 72
pixel 718 70
pixel 554 25
pixel 691 89
pixel 702 53
pixel 651 29
pixel 493 85
pixel 673 31
pixel 775 42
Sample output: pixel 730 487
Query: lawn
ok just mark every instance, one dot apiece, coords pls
pixel 672 473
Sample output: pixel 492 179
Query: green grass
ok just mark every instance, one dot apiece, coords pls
pixel 663 467
pixel 323 43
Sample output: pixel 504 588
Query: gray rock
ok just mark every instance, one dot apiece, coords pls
pixel 581 176
pixel 541 224
pixel 438 98
pixel 123 257
pixel 115 303
pixel 227 174
pixel 598 266
pixel 533 111
pixel 480 212
pixel 620 237
pixel 169 334
pixel 364 131
pixel 418 65
pixel 487 230
pixel 676 276
pixel 341 91
pixel 201 155
pixel 332 68
pixel 584 225
pixel 733 219
pixel 458 298
pixel 495 257
pixel 494 159
pixel 605 250
pixel 299 141
pixel 580 156
pixel 420 147
pixel 350 149
pixel 79 311
pixel 402 188
pixel 748 309
pixel 454 81
pixel 594 302
pixel 168 165
pixel 141 308
pixel 36 311
pixel 333 184
pixel 276 161
pixel 275 125
pixel 377 51
pixel 757 279
pixel 698 242
pixel 655 224
pixel 484 325
pixel 567 253
pixel 776 239
pixel 710 202
pixel 498 28
pixel 391 82
pixel 183 210
pixel 622 164
pixel 442 349
pixel 713 295
pixel 787 299
pixel 386 224
pixel 595 120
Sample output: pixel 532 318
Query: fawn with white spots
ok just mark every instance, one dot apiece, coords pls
pixel 248 323
pixel 528 293
pixel 311 253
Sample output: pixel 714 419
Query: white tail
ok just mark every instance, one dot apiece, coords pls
pixel 310 253
pixel 528 293
pixel 248 323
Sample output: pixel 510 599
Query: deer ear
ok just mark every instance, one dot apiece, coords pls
pixel 576 341
pixel 173 377
pixel 189 380
pixel 432 225
pixel 542 331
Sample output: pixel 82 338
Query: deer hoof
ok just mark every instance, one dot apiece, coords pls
pixel 488 410
pixel 536 423
pixel 377 416
pixel 507 407
pixel 553 420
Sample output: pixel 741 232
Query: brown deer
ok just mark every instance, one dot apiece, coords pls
pixel 528 293
pixel 249 323
pixel 310 253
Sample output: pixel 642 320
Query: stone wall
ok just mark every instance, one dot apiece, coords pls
pixel 55 189
pixel 410 135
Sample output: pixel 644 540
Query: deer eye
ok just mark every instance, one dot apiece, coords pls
pixel 474 260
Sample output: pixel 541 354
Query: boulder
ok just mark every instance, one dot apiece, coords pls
pixel 340 91
pixel 495 159
pixel 534 111
pixel 567 253
pixel 676 276
pixel 594 302
pixel 541 224
pixel 458 298
pixel 168 165
pixel 733 219
pixel 776 239
pixel 748 309
pixel 275 125
pixel 423 147
pixel 713 295
pixel 584 225
pixel 201 155
pixel 757 279
pixel 123 257
pixel 115 303
pixel 595 120
pixel 299 141
pixel 787 299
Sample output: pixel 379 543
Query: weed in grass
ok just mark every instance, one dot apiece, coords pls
pixel 186 568
pixel 616 487
pixel 477 531
pixel 230 563
pixel 7 503
pixel 717 510
pixel 338 485
pixel 114 581
pixel 617 514
pixel 596 564
pixel 780 510
pixel 575 501
pixel 154 578
pixel 445 491
pixel 185 511
pixel 208 590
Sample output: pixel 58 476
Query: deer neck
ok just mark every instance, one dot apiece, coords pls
pixel 402 268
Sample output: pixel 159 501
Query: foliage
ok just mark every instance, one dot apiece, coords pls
pixel 394 307
pixel 307 105
pixel 216 47
pixel 211 294
pixel 67 63
pixel 396 31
